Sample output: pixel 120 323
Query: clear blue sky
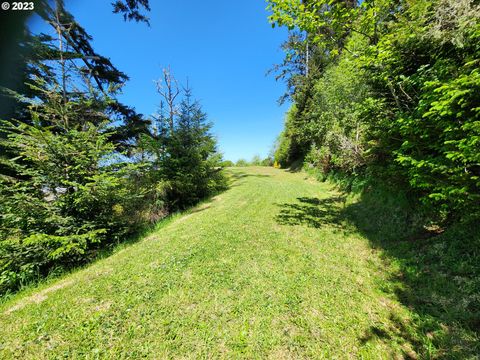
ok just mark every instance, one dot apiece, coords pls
pixel 224 47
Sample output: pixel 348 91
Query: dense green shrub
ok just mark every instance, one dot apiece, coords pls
pixel 428 74
pixel 71 194
pixel 392 91
pixel 241 163
pixel 268 161
pixel 256 161
pixel 227 163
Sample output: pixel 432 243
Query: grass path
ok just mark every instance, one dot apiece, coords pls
pixel 251 274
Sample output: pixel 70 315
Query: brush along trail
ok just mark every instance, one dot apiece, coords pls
pixel 267 269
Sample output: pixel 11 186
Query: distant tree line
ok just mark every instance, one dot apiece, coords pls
pixel 255 161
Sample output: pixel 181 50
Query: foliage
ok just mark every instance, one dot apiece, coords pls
pixel 65 55
pixel 79 170
pixel 227 163
pixel 395 96
pixel 328 21
pixel 132 9
pixel 268 161
pixel 241 163
pixel 70 195
pixel 256 161
pixel 184 156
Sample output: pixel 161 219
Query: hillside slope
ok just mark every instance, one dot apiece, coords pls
pixel 264 270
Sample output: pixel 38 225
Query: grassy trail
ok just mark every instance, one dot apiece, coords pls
pixel 261 271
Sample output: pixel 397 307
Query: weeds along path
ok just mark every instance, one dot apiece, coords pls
pixel 265 270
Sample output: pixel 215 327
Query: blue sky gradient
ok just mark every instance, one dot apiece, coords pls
pixel 224 48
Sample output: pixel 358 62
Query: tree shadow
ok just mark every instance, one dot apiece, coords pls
pixel 438 277
pixel 312 212
pixel 236 177
pixel 241 175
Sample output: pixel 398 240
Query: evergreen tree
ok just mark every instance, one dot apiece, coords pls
pixel 181 150
pixel 192 157
pixel 72 193
pixel 69 59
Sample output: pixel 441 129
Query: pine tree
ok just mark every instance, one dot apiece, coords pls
pixel 67 57
pixel 191 149
pixel 182 150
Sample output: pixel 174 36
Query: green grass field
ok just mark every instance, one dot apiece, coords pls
pixel 265 270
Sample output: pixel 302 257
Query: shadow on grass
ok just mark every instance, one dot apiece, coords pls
pixel 312 212
pixel 237 176
pixel 240 175
pixel 438 280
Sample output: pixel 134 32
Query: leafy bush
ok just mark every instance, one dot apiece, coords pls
pixel 282 150
pixel 71 194
pixel 227 163
pixel 241 163
pixel 394 96
pixel 441 150
pixel 267 162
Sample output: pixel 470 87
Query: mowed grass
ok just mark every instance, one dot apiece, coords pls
pixel 253 273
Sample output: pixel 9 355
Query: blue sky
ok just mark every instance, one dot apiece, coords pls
pixel 224 47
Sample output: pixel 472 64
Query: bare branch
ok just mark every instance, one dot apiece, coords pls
pixel 168 88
